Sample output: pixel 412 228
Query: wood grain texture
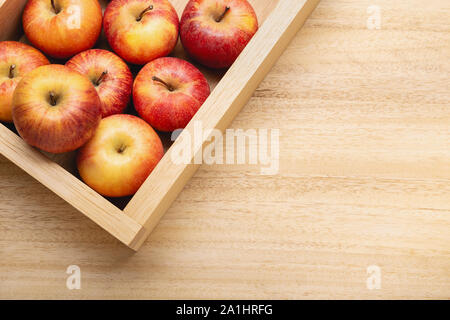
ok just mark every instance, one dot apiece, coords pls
pixel 364 180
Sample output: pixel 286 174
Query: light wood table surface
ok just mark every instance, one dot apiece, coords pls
pixel 364 180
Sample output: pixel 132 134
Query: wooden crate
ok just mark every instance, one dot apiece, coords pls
pixel 132 220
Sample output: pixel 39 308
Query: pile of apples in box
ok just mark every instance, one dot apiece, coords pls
pixel 79 106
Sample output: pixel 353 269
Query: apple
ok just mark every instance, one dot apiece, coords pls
pixel 109 74
pixel 168 92
pixel 62 28
pixel 141 30
pixel 120 156
pixel 56 109
pixel 214 32
pixel 16 60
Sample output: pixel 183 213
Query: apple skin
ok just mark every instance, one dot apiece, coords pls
pixel 59 35
pixel 167 110
pixel 217 44
pixel 121 155
pixel 62 127
pixel 139 42
pixel 116 80
pixel 21 59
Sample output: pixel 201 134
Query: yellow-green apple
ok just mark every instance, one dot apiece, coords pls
pixel 16 60
pixel 109 74
pixel 214 32
pixel 168 92
pixel 62 28
pixel 120 156
pixel 141 30
pixel 56 109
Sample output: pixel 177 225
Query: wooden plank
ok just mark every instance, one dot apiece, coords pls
pixel 231 94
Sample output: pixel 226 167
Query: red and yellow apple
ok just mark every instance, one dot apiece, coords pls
pixel 109 74
pixel 62 28
pixel 56 109
pixel 214 32
pixel 16 60
pixel 141 30
pixel 120 156
pixel 168 92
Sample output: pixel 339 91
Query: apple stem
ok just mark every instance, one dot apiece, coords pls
pixel 168 86
pixel 121 149
pixel 100 79
pixel 223 14
pixel 52 98
pixel 54 7
pixel 11 71
pixel 149 8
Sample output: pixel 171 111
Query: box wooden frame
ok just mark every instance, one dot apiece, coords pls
pixel 134 224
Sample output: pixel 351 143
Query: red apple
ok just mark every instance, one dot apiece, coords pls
pixel 214 32
pixel 168 92
pixel 120 156
pixel 62 28
pixel 16 60
pixel 141 30
pixel 109 74
pixel 56 109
